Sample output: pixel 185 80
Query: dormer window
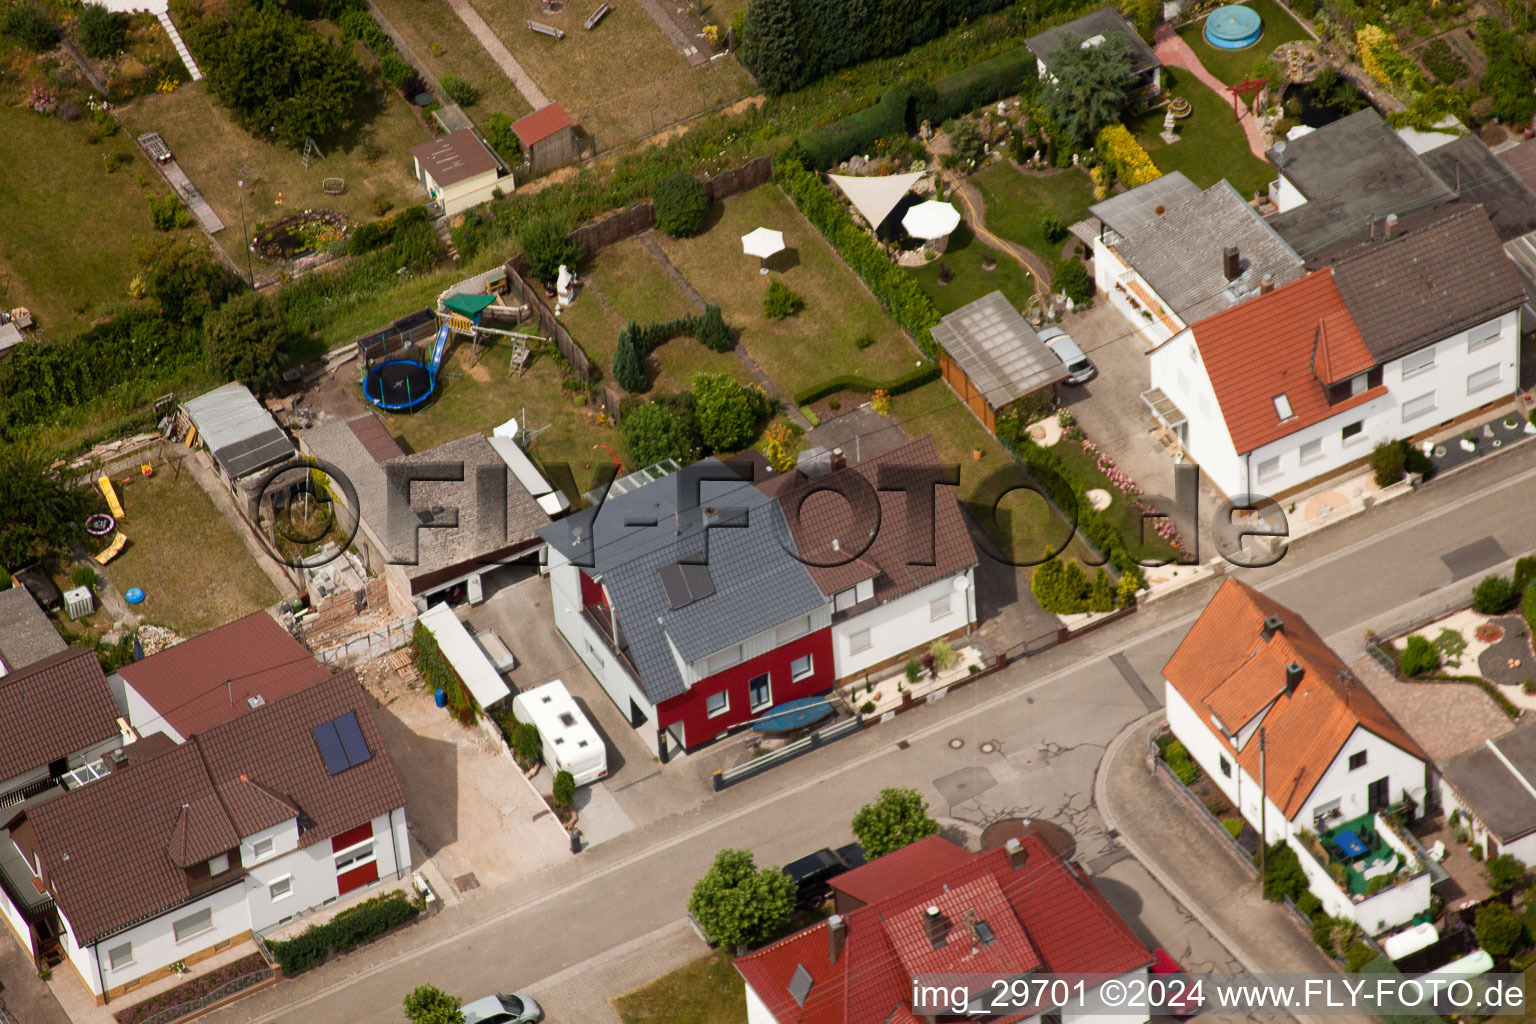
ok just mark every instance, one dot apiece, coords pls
pixel 1283 407
pixel 218 865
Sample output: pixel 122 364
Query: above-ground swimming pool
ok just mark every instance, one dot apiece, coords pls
pixel 1233 27
pixel 399 385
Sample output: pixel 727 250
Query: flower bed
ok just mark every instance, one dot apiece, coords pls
pixel 194 990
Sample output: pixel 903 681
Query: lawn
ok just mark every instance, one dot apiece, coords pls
pixel 1026 525
pixel 818 342
pixel 474 399
pixel 1122 511
pixel 194 569
pixel 1234 66
pixel 216 154
pixel 621 81
pixel 56 197
pixel 1211 145
pixel 707 991
pixel 969 280
pixel 624 283
pixel 439 40
pixel 1018 203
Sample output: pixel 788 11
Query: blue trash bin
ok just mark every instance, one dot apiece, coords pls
pixel 441 697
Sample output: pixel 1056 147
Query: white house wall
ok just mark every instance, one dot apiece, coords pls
pixel 1182 377
pixel 589 645
pixel 1523 848
pixel 1395 906
pixel 1108 271
pixel 154 941
pixel 1382 759
pixel 19 926
pixel 1285 195
pixel 144 718
pixel 757 1010
pixel 902 625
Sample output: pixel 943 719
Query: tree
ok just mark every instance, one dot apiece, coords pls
pixel 727 411
pixel 100 32
pixel 183 279
pixel 547 247
pixel 966 143
pixel 1388 462
pixel 29 26
pixel 738 905
pixel 660 430
pixel 1070 278
pixel 280 78
pixel 681 202
pixel 896 818
pixel 629 362
pixel 428 1004
pixel 1504 872
pixel 248 340
pixel 770 46
pixel 1493 595
pixel 564 788
pixel 1090 87
pixel 42 514
pixel 1498 930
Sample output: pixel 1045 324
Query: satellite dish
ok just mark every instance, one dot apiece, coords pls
pixel 962 583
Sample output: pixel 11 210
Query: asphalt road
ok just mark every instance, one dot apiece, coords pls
pixel 1051 718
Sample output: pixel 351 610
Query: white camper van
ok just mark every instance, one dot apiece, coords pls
pixel 570 743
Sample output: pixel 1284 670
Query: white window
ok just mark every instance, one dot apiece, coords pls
pixel 119 957
pixel 801 668
pixel 865 590
pixel 938 607
pixel 1486 378
pixel 844 600
pixel 1312 450
pixel 595 656
pixel 717 703
pixel 1418 362
pixel 1358 383
pixel 1269 468
pixel 859 641
pixel 193 924
pixel 354 856
pixel 721 660
pixel 219 864
pixel 1480 337
pixel 759 692
pixel 261 848
pixel 280 888
pixel 1353 430
pixel 1416 407
pixel 1283 407
pixel 790 630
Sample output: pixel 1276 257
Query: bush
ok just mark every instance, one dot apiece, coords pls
pixel 347 930
pixel 727 411
pixel 564 788
pixel 1180 763
pixel 525 743
pixel 1389 462
pixel 100 32
pixel 863 341
pixel 781 301
pixel 966 143
pixel 1053 229
pixel 660 430
pixel 1358 955
pixel 1234 826
pixel 1507 81
pixel 499 133
pixel 1308 904
pixel 1443 62
pixel 459 90
pixel 1060 587
pixel 1504 872
pixel 547 247
pixel 1493 595
pixel 710 330
pixel 1498 929
pixel 1120 151
pixel 1070 278
pixel 1283 874
pixel 248 340
pixel 682 203
pixel 83 576
pixel 1525 573
pixel 1419 656
pixel 1528 601
pixel 29 26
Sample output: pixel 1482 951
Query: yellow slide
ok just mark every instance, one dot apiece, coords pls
pixel 113 504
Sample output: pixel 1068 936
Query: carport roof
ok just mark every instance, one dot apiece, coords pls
pixel 998 351
pixel 238 430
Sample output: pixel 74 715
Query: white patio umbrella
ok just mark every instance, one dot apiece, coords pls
pixel 930 220
pixel 762 243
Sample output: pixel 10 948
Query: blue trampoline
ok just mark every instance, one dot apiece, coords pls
pixel 401 385
pixel 1233 27
pixel 795 714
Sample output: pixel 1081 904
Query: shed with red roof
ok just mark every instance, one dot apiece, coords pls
pixel 549 138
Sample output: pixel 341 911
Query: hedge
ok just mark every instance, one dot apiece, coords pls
pixel 346 931
pixel 439 675
pixel 983 83
pixel 636 341
pixel 1118 148
pixel 896 290
pixel 909 381
pixel 1528 599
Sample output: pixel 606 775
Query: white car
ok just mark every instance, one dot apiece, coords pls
pixel 503 1009
pixel 1080 368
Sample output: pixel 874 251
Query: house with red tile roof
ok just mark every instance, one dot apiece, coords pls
pixel 217 676
pixel 1393 339
pixel 188 850
pixel 933 908
pixel 57 716
pixel 1304 751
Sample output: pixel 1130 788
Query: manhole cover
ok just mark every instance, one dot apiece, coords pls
pixel 956 743
pixel 988 747
pixel 902 744
pixel 464 883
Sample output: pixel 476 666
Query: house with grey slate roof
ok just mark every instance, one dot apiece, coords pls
pixel 1493 785
pixel 699 614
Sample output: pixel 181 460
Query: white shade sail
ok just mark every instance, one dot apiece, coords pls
pixel 932 219
pixel 762 242
pixel 875 197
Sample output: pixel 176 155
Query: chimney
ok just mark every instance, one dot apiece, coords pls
pixel 1391 228
pixel 1293 674
pixel 936 926
pixel 1015 853
pixel 1266 284
pixel 1272 625
pixel 1229 263
pixel 839 461
pixel 837 934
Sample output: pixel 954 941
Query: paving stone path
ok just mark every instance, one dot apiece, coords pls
pixel 499 53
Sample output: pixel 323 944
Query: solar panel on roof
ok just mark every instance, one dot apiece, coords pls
pixel 330 748
pixel 352 741
pixel 685 584
pixel 800 984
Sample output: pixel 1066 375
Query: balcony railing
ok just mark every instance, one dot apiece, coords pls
pixel 597 616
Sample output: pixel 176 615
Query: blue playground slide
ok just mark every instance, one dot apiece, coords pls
pixel 438 348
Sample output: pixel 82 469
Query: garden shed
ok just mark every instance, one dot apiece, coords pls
pixel 548 137
pixel 458 170
pixel 991 357
pixel 242 437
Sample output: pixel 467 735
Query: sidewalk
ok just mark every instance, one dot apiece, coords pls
pixel 1179 850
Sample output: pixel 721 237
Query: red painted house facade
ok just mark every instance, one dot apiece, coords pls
pixel 698 712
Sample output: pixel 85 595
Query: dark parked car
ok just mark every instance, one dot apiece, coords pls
pixel 41 587
pixel 813 873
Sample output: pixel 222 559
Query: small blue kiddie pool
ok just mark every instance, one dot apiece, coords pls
pixel 1233 27
pixel 135 595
